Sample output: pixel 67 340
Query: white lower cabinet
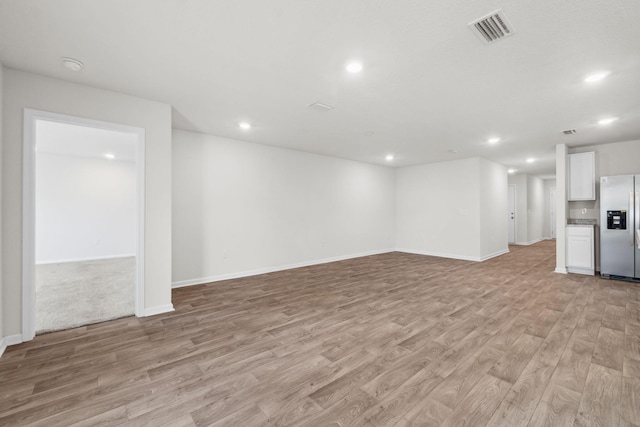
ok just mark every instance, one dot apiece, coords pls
pixel 581 249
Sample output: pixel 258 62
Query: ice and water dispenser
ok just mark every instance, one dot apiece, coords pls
pixel 616 220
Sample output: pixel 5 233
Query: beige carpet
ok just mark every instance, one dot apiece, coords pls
pixel 73 294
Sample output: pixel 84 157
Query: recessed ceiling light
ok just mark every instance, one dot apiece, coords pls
pixel 389 157
pixel 244 125
pixel 493 140
pixel 72 64
pixel 354 67
pixel 607 121
pixel 109 156
pixel 596 77
pixel 511 170
pixel 368 134
pixel 531 160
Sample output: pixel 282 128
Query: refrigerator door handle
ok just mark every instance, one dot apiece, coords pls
pixel 637 219
pixel 633 215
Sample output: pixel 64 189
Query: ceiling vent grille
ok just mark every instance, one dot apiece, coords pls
pixel 569 131
pixel 492 27
pixel 319 106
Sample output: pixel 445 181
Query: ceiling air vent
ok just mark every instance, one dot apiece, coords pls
pixel 492 27
pixel 319 106
pixel 569 131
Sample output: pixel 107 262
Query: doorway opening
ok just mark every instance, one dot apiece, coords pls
pixel 83 228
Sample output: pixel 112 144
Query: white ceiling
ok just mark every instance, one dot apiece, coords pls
pixel 428 85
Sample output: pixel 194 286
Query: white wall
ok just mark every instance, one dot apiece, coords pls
pixel 439 209
pixel 546 222
pixel 2 334
pixel 618 158
pixel 561 208
pixel 85 208
pixel 535 209
pixel 494 234
pixel 241 208
pixel 25 90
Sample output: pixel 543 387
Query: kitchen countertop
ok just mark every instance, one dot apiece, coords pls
pixel 581 221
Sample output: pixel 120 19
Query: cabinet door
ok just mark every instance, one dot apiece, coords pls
pixel 580 251
pixel 582 174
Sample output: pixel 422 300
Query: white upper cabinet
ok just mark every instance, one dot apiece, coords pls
pixel 582 176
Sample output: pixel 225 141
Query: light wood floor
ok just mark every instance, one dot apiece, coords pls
pixel 393 339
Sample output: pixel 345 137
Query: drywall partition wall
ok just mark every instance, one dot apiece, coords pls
pixel 561 211
pixel 24 90
pixel 241 208
pixel 618 158
pixel 2 335
pixel 85 208
pixel 438 209
pixel 493 208
pixel 546 215
pixel 535 209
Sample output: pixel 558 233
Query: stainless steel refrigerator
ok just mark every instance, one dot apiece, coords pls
pixel 620 226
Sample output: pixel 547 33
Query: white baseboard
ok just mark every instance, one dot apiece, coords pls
pixel 495 254
pixel 93 258
pixel 255 272
pixel 529 243
pixel 440 254
pixel 452 256
pixel 561 270
pixel 578 270
pixel 152 311
pixel 9 340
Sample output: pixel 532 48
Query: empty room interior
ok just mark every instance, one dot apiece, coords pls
pixel 312 213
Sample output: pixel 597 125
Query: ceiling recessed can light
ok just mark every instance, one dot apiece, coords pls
pixel 389 157
pixel 72 64
pixel 494 140
pixel 596 77
pixel 244 125
pixel 531 160
pixel 109 156
pixel 354 67
pixel 607 121
pixel 511 170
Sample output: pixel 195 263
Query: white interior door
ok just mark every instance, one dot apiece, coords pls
pixel 552 212
pixel 511 212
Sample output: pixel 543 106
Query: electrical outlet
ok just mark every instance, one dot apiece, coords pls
pixel 225 254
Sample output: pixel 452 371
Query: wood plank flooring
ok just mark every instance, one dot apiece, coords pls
pixel 392 339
